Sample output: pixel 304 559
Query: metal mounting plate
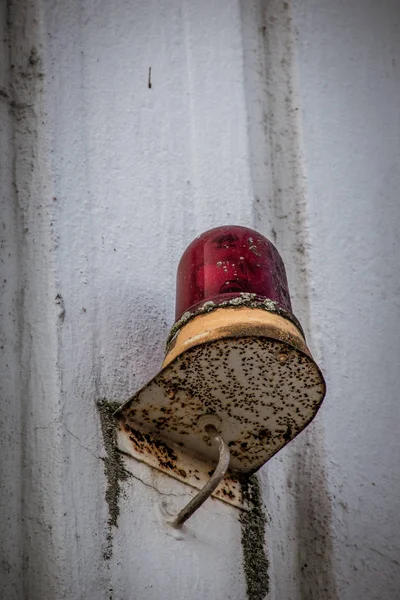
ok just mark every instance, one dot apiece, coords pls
pixel 174 461
pixel 265 391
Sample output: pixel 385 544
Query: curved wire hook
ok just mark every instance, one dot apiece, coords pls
pixel 212 484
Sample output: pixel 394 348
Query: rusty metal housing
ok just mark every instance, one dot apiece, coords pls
pixel 249 366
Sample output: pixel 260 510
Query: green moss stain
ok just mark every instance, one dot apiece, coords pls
pixel 114 469
pixel 253 533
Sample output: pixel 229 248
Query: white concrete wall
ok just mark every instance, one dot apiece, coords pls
pixel 352 149
pixel 338 493
pixel 283 116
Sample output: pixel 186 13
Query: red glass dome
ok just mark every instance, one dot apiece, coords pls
pixel 227 261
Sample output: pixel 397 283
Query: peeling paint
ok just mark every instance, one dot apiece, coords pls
pixel 255 560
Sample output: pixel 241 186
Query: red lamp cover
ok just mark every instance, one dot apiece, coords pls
pixel 225 262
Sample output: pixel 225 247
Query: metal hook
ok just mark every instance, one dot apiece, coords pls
pixel 212 484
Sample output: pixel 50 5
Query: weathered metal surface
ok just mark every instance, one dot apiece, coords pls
pixel 177 463
pixel 234 322
pixel 264 391
pixel 244 300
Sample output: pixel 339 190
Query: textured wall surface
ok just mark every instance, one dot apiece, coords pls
pixel 127 128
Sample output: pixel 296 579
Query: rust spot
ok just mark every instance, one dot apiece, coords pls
pixel 143 442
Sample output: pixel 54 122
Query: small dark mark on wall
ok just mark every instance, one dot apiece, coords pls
pixel 34 58
pixel 60 301
pixel 149 79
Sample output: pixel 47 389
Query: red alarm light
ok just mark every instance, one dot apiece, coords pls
pixel 225 262
pixel 237 369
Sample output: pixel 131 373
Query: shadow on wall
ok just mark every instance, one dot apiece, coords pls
pixel 132 326
pixel 313 517
pixel 134 329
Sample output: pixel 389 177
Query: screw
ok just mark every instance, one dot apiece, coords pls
pixel 282 357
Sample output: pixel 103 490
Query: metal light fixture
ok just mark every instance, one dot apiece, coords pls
pixel 238 381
